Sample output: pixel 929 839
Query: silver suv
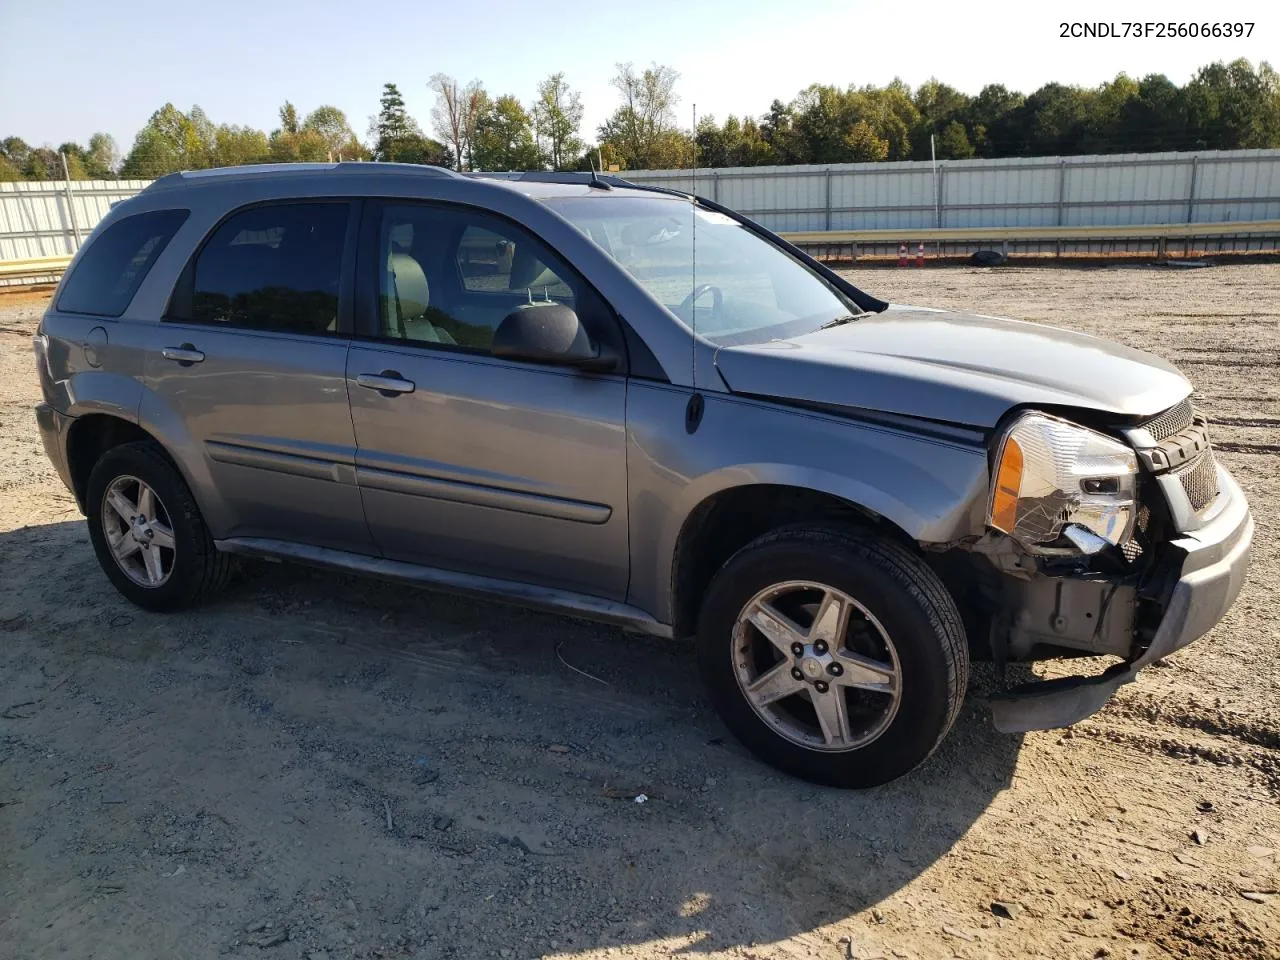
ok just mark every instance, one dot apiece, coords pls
pixel 633 405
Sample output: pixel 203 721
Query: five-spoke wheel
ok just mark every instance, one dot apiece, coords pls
pixel 816 665
pixel 136 525
pixel 147 531
pixel 835 654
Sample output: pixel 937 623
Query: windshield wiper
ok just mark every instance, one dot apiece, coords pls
pixel 841 321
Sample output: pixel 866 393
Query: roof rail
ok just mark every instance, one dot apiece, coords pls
pixel 287 169
pixel 382 166
pixel 585 178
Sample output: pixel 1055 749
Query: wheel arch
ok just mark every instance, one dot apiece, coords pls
pixel 88 438
pixel 725 520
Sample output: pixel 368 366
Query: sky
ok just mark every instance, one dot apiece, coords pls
pixel 68 69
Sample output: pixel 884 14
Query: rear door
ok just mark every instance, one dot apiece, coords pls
pixel 252 362
pixel 471 462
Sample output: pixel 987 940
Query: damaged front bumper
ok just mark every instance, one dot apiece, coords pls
pixel 1209 564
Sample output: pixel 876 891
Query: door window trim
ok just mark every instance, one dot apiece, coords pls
pixel 180 298
pixel 367 319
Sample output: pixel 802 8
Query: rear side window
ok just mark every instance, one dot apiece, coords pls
pixel 114 266
pixel 272 268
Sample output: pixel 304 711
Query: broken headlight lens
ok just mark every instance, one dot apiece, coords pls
pixel 1051 474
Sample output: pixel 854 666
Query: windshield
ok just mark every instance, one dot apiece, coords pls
pixel 742 289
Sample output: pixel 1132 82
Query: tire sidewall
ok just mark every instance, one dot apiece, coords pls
pixel 924 712
pixel 152 469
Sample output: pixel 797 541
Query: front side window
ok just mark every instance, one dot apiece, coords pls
pixel 450 275
pixel 114 266
pixel 718 277
pixel 274 267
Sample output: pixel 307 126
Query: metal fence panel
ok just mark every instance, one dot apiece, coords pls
pixel 49 218
pixel 43 219
pixel 1116 190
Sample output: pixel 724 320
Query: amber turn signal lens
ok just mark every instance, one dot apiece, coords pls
pixel 1004 501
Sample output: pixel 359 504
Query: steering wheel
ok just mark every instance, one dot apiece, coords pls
pixel 717 299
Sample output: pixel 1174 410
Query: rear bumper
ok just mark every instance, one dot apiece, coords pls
pixel 1215 560
pixel 53 428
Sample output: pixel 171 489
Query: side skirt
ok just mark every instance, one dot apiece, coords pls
pixel 510 591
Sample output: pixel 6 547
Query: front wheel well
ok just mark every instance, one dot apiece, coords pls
pixel 89 438
pixel 727 521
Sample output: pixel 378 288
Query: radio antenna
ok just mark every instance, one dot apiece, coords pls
pixel 693 233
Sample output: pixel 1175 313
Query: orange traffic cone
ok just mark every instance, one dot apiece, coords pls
pixel 902 255
pixel 920 254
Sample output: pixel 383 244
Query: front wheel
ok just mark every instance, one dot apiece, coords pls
pixel 834 655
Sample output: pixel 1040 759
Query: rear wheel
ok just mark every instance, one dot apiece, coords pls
pixel 834 655
pixel 147 530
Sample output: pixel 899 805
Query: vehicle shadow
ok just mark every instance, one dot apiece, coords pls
pixel 459 772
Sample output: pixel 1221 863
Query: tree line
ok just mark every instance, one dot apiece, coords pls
pixel 1224 106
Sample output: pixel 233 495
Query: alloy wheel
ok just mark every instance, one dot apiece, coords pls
pixel 817 666
pixel 138 531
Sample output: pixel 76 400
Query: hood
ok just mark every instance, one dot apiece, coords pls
pixel 955 367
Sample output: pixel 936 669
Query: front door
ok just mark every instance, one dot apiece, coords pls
pixel 470 462
pixel 252 365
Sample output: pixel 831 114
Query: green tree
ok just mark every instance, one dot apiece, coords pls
pixel 1232 106
pixel 43 164
pixel 642 128
pixel 171 141
pixel 397 138
pixel 392 126
pixel 504 138
pixel 76 159
pixel 713 142
pixel 16 153
pixel 939 106
pixel 1104 127
pixel 290 143
pixel 557 115
pixel 602 157
pixel 103 157
pixel 861 142
pixel 331 125
pixel 867 123
pixel 239 145
pixel 777 129
pixel 953 142
pixel 1157 118
pixel 824 118
pixel 739 143
pixel 994 121
pixel 289 118
pixel 753 149
pixel 892 114
pixel 1056 118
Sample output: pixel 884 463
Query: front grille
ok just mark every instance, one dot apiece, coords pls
pixel 1174 420
pixel 1200 480
pixel 1137 544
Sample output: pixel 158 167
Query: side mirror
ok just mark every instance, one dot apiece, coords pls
pixel 549 332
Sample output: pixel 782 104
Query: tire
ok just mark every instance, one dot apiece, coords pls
pixel 904 639
pixel 192 570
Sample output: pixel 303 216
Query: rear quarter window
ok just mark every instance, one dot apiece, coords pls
pixel 116 262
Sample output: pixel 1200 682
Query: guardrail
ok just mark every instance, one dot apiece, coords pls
pixel 45 268
pixel 1165 231
pixel 32 270
pixel 1240 236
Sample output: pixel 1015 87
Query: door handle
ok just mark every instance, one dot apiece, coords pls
pixel 185 354
pixel 388 382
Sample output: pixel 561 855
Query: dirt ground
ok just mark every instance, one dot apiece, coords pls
pixel 323 767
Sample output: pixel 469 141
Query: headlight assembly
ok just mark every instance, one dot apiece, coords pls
pixel 1053 477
